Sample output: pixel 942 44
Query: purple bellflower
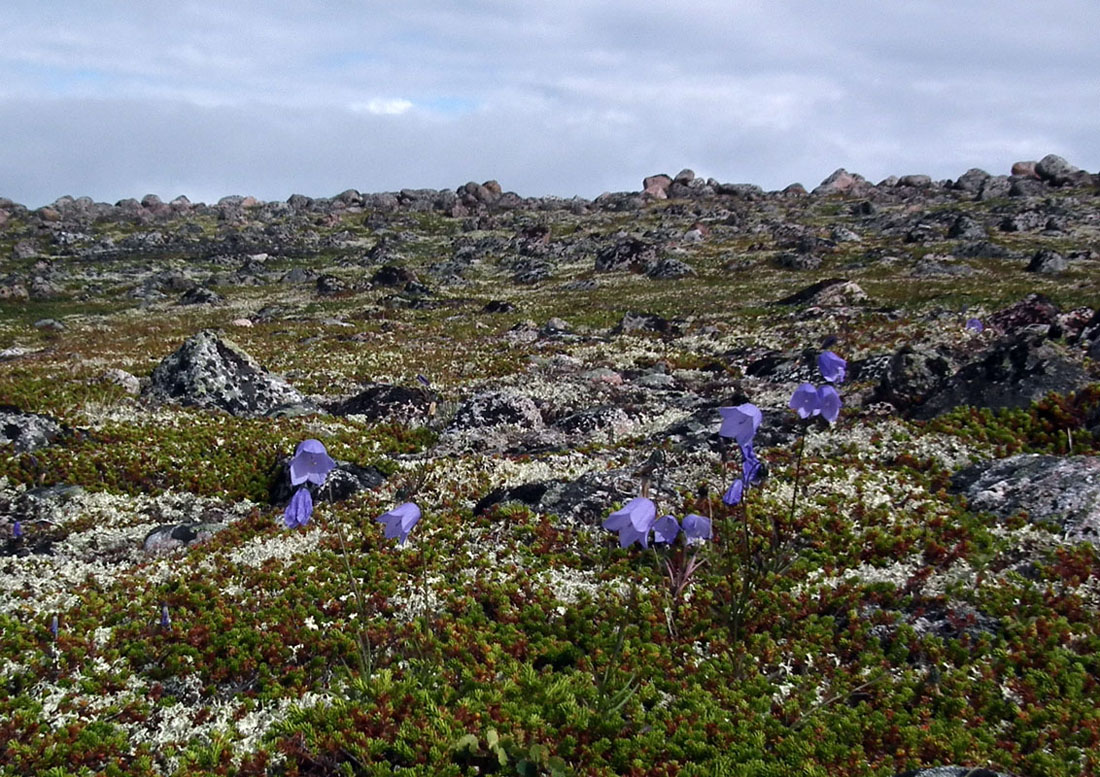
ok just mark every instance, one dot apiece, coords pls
pixel 666 529
pixel 740 422
pixel 165 618
pixel 311 463
pixel 696 528
pixel 829 401
pixel 975 325
pixel 400 521
pixel 750 464
pixel 809 401
pixel 299 509
pixel 16 530
pixel 734 493
pixel 805 401
pixel 633 521
pixel 832 367
pixel 54 627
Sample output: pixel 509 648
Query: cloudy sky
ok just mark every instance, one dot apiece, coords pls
pixel 120 99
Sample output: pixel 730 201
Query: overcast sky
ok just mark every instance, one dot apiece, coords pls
pixel 121 99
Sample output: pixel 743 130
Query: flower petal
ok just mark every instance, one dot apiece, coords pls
pixel 805 401
pixel 829 401
pixel 740 422
pixel 666 529
pixel 833 368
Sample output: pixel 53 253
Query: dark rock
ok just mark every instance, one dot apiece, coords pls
pixel 391 275
pixel 1033 310
pixel 994 187
pixel 201 296
pixel 1026 187
pixel 496 408
pixel 1056 170
pixel 1063 490
pixel 329 285
pixel 670 267
pixel 212 372
pixel 1048 262
pixel 1014 373
pixel 827 293
pixel 645 322
pixel 384 401
pixel 1024 221
pixel 595 419
pixel 972 180
pixel 628 253
pixel 169 537
pixel 28 431
pixel 498 306
pixel 966 228
pixel 938 265
pixel 798 261
pixel 912 374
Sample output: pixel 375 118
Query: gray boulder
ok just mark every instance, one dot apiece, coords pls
pixel 27 431
pixel 1056 170
pixel 1064 490
pixel 1047 261
pixel 213 372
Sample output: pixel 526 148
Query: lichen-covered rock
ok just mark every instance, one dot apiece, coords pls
pixel 496 408
pixel 628 253
pixel 1064 490
pixel 1014 373
pixel 27 431
pixel 213 372
pixel 169 537
pixel 385 401
pixel 955 771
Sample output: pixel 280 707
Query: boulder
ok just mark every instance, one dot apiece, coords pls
pixel 387 402
pixel 627 253
pixel 1047 261
pixel 497 408
pixel 1063 490
pixel 28 431
pixel 1056 170
pixel 212 372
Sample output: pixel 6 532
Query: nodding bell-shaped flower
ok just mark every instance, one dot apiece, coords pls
pixel 975 325
pixel 696 528
pixel 832 367
pixel 299 509
pixel 734 493
pixel 666 529
pixel 165 618
pixel 740 422
pixel 829 401
pixel 400 521
pixel 805 401
pixel 633 521
pixel 311 463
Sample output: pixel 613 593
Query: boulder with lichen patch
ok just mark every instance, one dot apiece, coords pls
pixel 1063 490
pixel 27 431
pixel 210 371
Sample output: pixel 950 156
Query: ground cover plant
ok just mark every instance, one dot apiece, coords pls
pixel 732 482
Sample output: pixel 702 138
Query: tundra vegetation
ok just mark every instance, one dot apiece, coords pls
pixel 673 484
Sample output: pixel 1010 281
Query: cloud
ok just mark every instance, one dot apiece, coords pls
pixel 568 97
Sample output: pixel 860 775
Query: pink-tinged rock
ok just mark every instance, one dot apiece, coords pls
pixel 656 186
pixel 1025 169
pixel 840 182
pixel 249 202
pixel 241 322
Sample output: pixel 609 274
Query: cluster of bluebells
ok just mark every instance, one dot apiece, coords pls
pixel 740 423
pixel 638 517
pixel 809 400
pixel 312 464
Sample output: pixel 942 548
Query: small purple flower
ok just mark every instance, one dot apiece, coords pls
pixel 975 325
pixel 832 367
pixel 740 422
pixel 54 627
pixel 805 401
pixel 829 402
pixel 734 493
pixel 16 530
pixel 696 528
pixel 750 464
pixel 423 380
pixel 165 618
pixel 633 521
pixel 400 521
pixel 299 509
pixel 311 463
pixel 666 529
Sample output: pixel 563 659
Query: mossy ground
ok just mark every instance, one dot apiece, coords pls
pixel 511 642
